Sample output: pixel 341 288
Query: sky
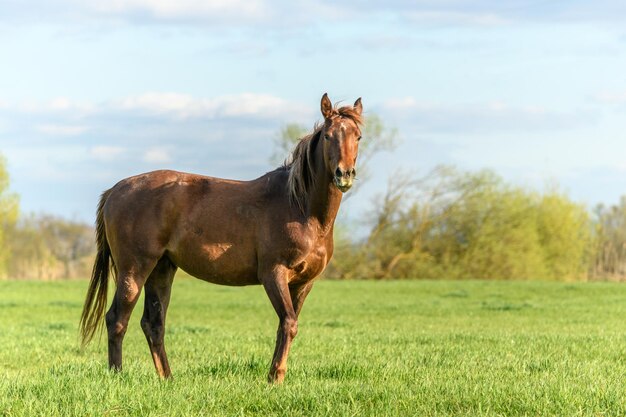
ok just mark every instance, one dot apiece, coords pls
pixel 92 92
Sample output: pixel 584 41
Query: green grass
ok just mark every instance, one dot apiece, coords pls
pixel 364 348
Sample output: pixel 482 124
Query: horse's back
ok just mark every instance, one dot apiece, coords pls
pixel 205 225
pixel 164 193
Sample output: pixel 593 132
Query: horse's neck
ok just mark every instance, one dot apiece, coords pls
pixel 325 198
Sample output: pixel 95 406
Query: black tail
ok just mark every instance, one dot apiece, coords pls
pixel 96 299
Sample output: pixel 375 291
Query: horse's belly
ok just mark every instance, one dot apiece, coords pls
pixel 219 263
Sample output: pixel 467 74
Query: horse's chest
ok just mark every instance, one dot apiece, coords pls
pixel 312 265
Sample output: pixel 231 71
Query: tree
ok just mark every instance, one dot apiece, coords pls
pixel 48 247
pixel 9 208
pixel 285 141
pixel 566 234
pixel 610 248
pixel 460 225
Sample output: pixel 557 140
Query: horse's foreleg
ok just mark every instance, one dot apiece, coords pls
pixel 298 295
pixel 277 288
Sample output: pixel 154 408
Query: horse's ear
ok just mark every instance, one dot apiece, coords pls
pixel 327 106
pixel 358 107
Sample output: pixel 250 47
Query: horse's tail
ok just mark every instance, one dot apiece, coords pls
pixel 95 301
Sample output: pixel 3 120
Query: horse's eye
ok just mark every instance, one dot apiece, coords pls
pixel 327 137
pixel 358 139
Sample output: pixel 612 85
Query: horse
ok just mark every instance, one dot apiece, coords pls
pixel 275 231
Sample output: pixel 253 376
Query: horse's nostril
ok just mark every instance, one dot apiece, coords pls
pixel 338 173
pixel 353 172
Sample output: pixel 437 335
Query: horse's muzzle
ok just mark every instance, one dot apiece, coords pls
pixel 343 179
pixel 343 185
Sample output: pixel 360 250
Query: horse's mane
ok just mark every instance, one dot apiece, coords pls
pixel 300 163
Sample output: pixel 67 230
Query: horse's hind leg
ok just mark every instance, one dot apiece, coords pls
pixel 130 280
pixel 157 292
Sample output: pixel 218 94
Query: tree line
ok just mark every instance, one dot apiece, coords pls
pixel 448 224
pixel 452 224
pixel 464 225
pixel 40 246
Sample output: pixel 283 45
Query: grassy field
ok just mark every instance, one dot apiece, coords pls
pixel 364 348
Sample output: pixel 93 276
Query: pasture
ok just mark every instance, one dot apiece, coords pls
pixel 363 348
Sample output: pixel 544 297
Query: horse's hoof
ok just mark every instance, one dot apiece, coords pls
pixel 276 377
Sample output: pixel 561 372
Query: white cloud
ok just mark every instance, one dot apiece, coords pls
pixel 157 156
pixel 57 105
pixel 490 117
pixel 182 9
pixel 67 105
pixel 106 153
pixel 457 17
pixel 157 103
pixel 65 111
pixel 283 13
pixel 61 130
pixel 254 104
pixel 400 103
pixel 183 106
pixel 611 97
pixel 60 103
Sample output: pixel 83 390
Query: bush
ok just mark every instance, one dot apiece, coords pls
pixel 462 225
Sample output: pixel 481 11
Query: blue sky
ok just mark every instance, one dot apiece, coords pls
pixel 92 92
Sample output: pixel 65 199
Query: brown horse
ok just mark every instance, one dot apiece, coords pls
pixel 276 230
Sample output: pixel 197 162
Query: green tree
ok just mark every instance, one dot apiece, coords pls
pixel 285 141
pixel 9 208
pixel 609 252
pixel 453 224
pixel 566 235
pixel 48 247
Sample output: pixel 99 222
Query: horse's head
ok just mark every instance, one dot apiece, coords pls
pixel 341 135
